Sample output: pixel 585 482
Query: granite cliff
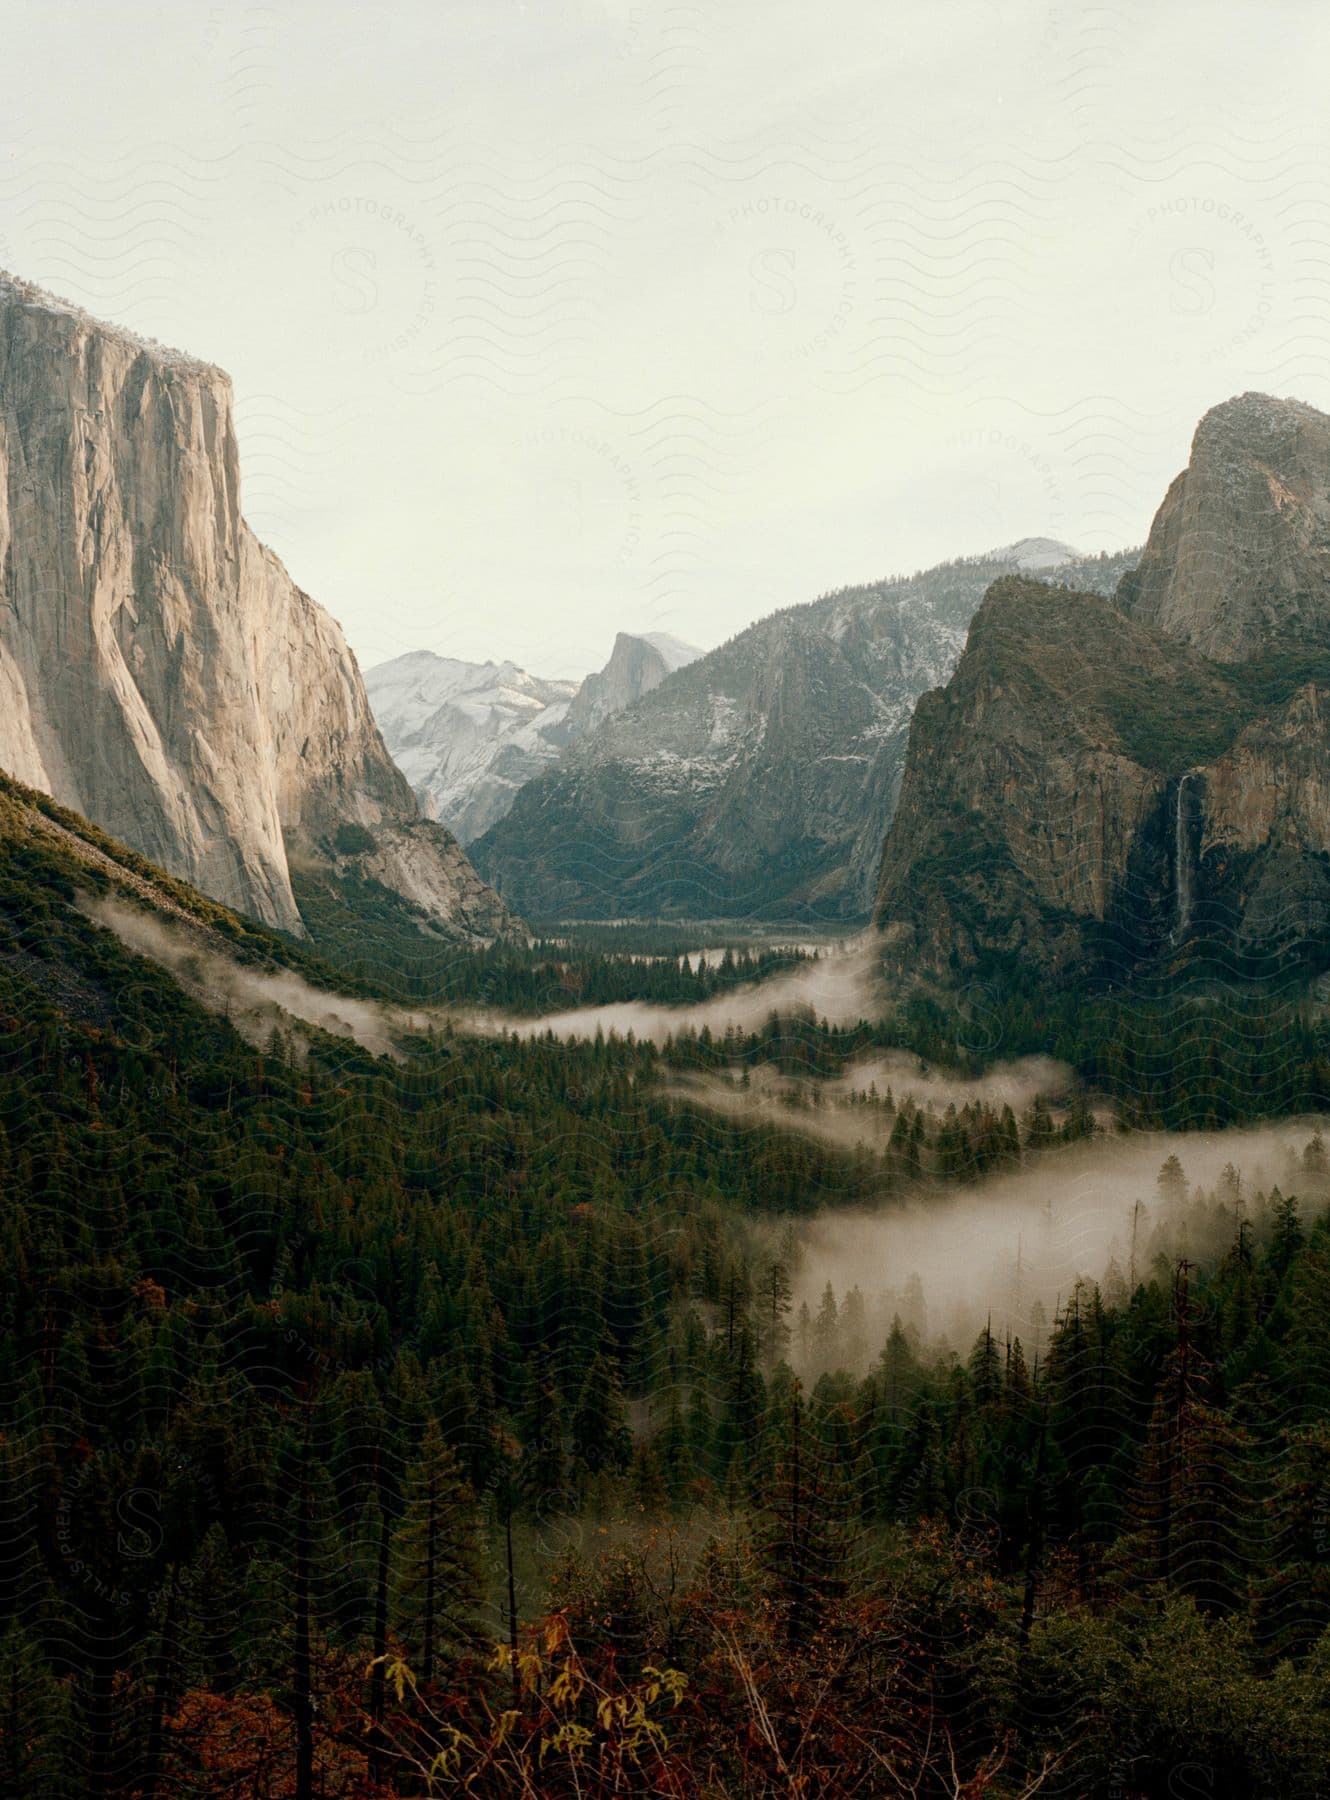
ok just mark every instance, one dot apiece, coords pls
pixel 1237 563
pixel 160 672
pixel 1104 784
pixel 638 663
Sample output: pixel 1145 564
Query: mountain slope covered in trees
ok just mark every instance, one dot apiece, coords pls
pixel 426 1423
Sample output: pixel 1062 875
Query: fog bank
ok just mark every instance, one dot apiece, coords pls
pixel 1013 1247
pixel 860 1106
pixel 841 987
pixel 256 1001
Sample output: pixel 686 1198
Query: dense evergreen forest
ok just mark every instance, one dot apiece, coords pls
pixel 455 1422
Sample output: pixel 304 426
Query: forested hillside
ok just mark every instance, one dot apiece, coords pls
pixel 451 1421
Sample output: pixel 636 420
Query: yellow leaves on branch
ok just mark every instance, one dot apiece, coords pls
pixel 397 1674
pixel 623 1717
pixel 529 1666
pixel 568 1715
pixel 447 1763
pixel 670 1681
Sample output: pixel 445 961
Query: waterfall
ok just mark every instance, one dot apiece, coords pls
pixel 1181 862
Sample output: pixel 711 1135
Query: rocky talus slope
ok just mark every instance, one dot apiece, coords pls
pixel 160 672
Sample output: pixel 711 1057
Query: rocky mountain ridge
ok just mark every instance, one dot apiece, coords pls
pixel 467 736
pixel 160 672
pixel 760 778
pixel 1105 784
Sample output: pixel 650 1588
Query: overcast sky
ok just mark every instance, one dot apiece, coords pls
pixel 549 320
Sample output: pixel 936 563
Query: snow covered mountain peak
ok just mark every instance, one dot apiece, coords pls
pixel 1029 553
pixel 468 735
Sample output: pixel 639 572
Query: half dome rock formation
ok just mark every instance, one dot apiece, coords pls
pixel 1238 560
pixel 638 663
pixel 1032 553
pixel 160 672
pixel 1105 784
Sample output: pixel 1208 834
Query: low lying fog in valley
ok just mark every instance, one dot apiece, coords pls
pixel 1010 1249
pixel 257 1001
pixel 859 1107
pixel 841 987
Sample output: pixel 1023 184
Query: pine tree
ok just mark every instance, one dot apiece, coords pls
pixel 826 1331
pixel 437 1558
pixel 985 1368
pixel 540 1429
pixel 777 1300
pixel 738 1437
pixel 1286 1238
pixel 599 1429
pixel 1017 1379
pixel 674 1451
pixel 1171 1183
pixel 1162 1499
pixel 803 1541
pixel 38 1732
pixel 854 1330
pixel 803 1335
pixel 900 1371
pixel 1314 1159
pixel 1039 1128
pixel 1292 1594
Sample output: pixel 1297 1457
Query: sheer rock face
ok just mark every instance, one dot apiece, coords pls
pixel 1020 803
pixel 160 672
pixel 1102 785
pixel 1238 560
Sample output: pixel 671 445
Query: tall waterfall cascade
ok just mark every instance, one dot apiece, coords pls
pixel 1182 862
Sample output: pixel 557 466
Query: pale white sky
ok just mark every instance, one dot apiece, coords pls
pixel 551 319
